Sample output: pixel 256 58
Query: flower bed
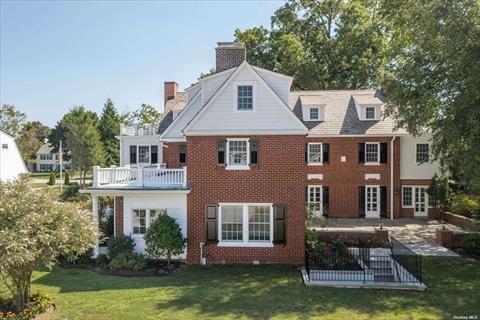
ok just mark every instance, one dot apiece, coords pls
pixel 38 307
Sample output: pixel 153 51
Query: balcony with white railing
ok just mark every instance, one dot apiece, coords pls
pixel 138 130
pixel 152 177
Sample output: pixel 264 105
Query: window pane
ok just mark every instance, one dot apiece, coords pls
pixel 259 223
pixel 407 196
pixel 371 152
pixel 314 198
pixel 423 151
pixel 245 97
pixel 370 113
pixel 315 152
pixel 237 152
pixel 139 222
pixel 232 223
pixel 313 113
pixel 143 154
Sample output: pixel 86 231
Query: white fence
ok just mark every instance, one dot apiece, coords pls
pixel 137 130
pixel 139 177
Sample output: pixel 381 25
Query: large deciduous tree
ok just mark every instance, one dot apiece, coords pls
pixel 35 230
pixel 433 79
pixel 12 120
pixel 323 44
pixel 109 128
pixel 31 138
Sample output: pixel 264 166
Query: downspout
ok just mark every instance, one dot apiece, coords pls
pixel 391 178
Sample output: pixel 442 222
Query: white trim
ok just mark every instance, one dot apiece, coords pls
pixel 123 192
pixel 320 202
pixel 319 135
pixel 253 84
pixel 306 112
pixel 375 176
pixel 429 153
pixel 245 242
pixel 148 219
pixel 372 214
pixel 313 176
pixel 257 132
pixel 280 75
pixel 321 154
pixel 167 140
pixel 427 204
pixel 372 163
pixel 403 192
pixel 187 130
pixel 229 166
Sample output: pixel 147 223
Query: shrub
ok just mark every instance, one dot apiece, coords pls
pixel 164 238
pixel 71 193
pixel 51 179
pixel 471 243
pixel 66 181
pixel 102 261
pixel 466 206
pixel 118 245
pixel 128 261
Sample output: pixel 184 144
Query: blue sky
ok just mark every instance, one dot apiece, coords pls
pixel 56 54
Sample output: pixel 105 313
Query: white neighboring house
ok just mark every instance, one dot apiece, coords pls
pixel 11 162
pixel 48 161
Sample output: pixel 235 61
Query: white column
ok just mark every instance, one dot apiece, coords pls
pixel 95 176
pixel 95 217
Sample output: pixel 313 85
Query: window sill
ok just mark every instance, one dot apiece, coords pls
pixel 372 163
pixel 237 168
pixel 315 164
pixel 245 244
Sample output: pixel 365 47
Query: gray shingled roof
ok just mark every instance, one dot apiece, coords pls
pixel 165 122
pixel 45 149
pixel 341 114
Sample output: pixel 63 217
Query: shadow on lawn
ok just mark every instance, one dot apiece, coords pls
pixel 265 291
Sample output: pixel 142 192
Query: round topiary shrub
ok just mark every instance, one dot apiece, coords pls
pixel 118 245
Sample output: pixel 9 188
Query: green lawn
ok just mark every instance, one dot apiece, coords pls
pixel 258 292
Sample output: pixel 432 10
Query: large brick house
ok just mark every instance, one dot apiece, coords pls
pixel 239 156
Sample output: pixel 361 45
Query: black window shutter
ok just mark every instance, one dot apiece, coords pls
pixel 361 200
pixel 306 152
pixel 326 152
pixel 154 154
pixel 211 221
pixel 326 200
pixel 279 226
pixel 254 147
pixel 361 152
pixel 221 150
pixel 133 154
pixel 383 201
pixel 383 152
pixel 182 153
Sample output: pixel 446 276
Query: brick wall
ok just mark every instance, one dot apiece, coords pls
pixel 118 216
pixel 409 212
pixel 228 57
pixel 170 155
pixel 275 180
pixel 344 178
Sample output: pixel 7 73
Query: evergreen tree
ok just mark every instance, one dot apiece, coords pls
pixel 109 128
pixel 51 179
pixel 67 178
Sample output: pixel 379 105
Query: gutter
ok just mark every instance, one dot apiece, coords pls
pixel 391 177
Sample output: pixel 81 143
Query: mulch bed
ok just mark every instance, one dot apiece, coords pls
pixel 154 269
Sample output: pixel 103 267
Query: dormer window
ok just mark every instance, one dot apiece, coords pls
pixel 313 113
pixel 245 97
pixel 370 113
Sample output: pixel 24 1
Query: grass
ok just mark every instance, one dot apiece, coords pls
pixel 258 292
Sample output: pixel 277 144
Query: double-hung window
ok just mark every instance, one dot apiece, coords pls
pixel 407 197
pixel 422 152
pixel 372 151
pixel 143 154
pixel 315 153
pixel 245 97
pixel 370 113
pixel 238 153
pixel 313 114
pixel 142 219
pixel 243 224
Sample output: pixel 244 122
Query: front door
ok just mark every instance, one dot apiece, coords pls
pixel 372 202
pixel 420 204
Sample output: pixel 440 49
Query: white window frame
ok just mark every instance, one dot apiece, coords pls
pixel 310 114
pixel 320 202
pixel 236 166
pixel 378 211
pixel 245 222
pixel 149 155
pixel 376 113
pixel 411 196
pixel 321 154
pixel 254 95
pixel 372 163
pixel 148 219
pixel 416 158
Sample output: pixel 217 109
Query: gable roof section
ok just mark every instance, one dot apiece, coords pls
pixel 5 132
pixel 300 127
pixel 45 148
pixel 341 117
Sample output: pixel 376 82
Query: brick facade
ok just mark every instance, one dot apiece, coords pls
pixel 409 212
pixel 171 155
pixel 344 178
pixel 118 216
pixel 275 180
pixel 229 55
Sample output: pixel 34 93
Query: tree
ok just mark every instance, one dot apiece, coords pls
pixel 83 141
pixel 432 81
pixel 328 44
pixel 147 114
pixel 439 195
pixel 67 178
pixel 51 179
pixel 164 238
pixel 35 230
pixel 11 120
pixel 109 128
pixel 31 138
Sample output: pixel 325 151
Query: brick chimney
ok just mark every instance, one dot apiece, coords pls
pixel 170 90
pixel 229 55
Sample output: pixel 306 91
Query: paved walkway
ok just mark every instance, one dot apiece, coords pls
pixel 417 234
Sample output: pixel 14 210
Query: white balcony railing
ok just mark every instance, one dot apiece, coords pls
pixel 141 177
pixel 138 130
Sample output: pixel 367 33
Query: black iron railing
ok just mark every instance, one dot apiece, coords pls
pixel 407 259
